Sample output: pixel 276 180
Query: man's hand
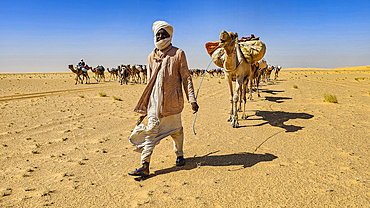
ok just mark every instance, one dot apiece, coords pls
pixel 194 107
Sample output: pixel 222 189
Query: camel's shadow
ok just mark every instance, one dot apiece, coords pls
pixel 277 118
pixel 273 92
pixel 245 159
pixel 277 99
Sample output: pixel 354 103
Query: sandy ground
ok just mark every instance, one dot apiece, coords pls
pixel 62 145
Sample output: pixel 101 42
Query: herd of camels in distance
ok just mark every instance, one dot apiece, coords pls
pixel 246 73
pixel 138 73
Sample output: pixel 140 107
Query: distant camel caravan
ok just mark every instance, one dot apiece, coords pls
pixel 80 72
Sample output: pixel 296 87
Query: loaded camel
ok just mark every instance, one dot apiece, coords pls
pixel 269 69
pixel 260 68
pixel 113 72
pixel 80 72
pixel 140 73
pixel 99 73
pixel 124 74
pixel 144 74
pixel 236 69
pixel 277 70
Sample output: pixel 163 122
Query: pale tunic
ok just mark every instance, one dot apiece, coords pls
pixel 146 137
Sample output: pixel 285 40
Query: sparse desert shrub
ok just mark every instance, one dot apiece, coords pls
pixel 359 78
pixel 117 98
pixel 330 98
pixel 7 192
pixel 102 94
pixel 81 96
pixel 295 86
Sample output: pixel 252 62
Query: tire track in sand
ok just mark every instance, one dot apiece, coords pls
pixel 50 93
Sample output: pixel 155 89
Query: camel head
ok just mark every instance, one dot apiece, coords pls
pixel 227 39
pixel 72 69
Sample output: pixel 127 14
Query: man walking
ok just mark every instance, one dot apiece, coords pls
pixel 162 100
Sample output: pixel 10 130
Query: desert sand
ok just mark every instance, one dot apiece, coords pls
pixel 62 145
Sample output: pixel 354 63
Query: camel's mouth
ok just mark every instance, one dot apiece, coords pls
pixel 222 43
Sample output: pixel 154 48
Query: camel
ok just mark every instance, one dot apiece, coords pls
pixel 277 69
pixel 85 74
pixel 99 73
pixel 125 74
pixel 139 71
pixel 134 73
pixel 144 74
pixel 219 72
pixel 113 72
pixel 211 72
pixel 236 68
pixel 132 70
pixel 260 67
pixel 78 73
pixel 269 69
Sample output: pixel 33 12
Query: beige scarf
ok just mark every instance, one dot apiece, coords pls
pixel 142 105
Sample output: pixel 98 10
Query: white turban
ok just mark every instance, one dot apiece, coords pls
pixel 164 43
pixel 162 25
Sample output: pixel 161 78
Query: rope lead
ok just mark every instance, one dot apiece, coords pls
pixel 196 96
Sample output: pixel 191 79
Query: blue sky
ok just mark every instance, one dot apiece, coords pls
pixel 46 36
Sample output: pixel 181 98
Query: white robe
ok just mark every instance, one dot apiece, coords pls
pixel 146 137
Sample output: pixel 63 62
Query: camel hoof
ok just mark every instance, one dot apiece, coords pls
pixel 234 124
pixel 244 117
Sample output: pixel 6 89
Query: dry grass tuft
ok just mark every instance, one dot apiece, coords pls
pixel 102 94
pixel 330 98
pixel 81 96
pixel 117 98
pixel 295 86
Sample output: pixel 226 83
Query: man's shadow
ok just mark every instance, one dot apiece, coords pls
pixel 245 159
pixel 277 118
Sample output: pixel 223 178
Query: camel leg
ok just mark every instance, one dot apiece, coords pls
pixel 250 88
pixel 258 91
pixel 244 98
pixel 238 85
pixel 240 100
pixel 229 82
pixel 258 82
